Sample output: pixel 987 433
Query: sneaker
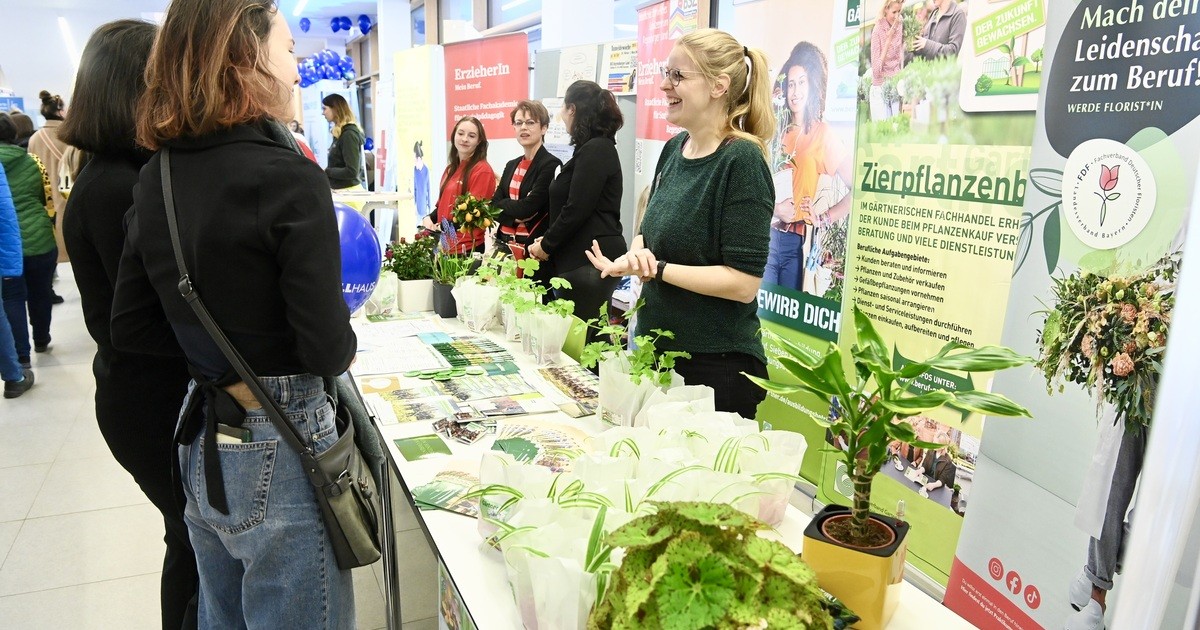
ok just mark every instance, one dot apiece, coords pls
pixel 897 463
pixel 1081 592
pixel 1090 617
pixel 12 389
pixel 41 347
pixel 56 298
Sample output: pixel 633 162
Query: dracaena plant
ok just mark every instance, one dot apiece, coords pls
pixel 882 390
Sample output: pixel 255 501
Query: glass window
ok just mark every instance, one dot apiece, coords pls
pixel 625 19
pixel 458 21
pixel 418 26
pixel 505 11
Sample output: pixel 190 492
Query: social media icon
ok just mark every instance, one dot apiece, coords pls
pixel 1033 598
pixel 1013 582
pixel 996 568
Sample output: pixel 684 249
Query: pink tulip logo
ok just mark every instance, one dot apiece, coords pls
pixel 1108 181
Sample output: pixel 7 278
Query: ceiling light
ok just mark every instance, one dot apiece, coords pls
pixel 299 8
pixel 68 41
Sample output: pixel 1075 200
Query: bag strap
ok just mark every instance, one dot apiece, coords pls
pixel 218 336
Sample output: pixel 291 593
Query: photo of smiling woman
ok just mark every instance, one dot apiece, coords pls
pixel 703 242
pixel 812 174
pixel 467 172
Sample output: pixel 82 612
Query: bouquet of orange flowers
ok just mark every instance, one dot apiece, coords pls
pixel 472 213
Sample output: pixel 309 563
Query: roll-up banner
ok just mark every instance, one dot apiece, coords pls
pixel 1110 182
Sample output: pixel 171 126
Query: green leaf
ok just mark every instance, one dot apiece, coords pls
pixel 644 531
pixel 1052 239
pixel 809 376
pixel 902 431
pixel 694 595
pixel 985 359
pixel 1004 48
pixel 712 514
pixel 870 340
pixel 1047 181
pixel 912 405
pixel 988 403
pixel 776 387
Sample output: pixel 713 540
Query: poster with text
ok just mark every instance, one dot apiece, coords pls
pixel 618 69
pixel 485 78
pixel 576 63
pixel 932 237
pixel 1111 181
pixel 416 150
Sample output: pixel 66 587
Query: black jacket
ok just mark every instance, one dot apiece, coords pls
pixel 344 166
pixel 261 244
pixel 533 201
pixel 585 205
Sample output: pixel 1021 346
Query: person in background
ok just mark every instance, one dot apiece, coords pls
pixel 420 183
pixel 943 34
pixel 31 292
pixel 938 465
pixel 585 200
pixel 887 57
pixel 523 195
pixel 344 166
pixel 259 237
pixel 467 172
pixel 17 378
pixel 296 127
pixel 703 242
pixel 137 395
pixel 24 129
pixel 50 149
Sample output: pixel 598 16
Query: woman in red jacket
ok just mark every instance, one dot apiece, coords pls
pixel 467 172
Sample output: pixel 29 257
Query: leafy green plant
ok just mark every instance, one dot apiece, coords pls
pixel 646 361
pixel 702 565
pixel 1036 57
pixel 448 268
pixel 561 307
pixel 883 389
pixel 410 260
pixel 983 84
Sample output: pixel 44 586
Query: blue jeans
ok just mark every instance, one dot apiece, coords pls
pixel 785 260
pixel 269 562
pixel 32 291
pixel 10 370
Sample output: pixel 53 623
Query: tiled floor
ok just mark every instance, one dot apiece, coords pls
pixel 80 546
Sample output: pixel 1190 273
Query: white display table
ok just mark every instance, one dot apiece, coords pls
pixel 478 571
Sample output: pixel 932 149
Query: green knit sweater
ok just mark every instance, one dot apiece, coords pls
pixel 27 181
pixel 714 210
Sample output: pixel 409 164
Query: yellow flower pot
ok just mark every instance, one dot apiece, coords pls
pixel 868 581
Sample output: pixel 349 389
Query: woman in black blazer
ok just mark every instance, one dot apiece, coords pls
pixel 585 199
pixel 523 195
pixel 137 395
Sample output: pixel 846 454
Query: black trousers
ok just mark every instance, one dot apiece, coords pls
pixel 137 407
pixel 723 372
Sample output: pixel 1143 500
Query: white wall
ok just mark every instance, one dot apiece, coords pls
pixel 34 56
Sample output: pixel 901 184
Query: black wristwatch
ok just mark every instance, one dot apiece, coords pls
pixel 662 264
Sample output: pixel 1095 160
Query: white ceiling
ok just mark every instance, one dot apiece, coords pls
pixel 318 11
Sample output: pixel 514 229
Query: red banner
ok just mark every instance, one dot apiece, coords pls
pixel 654 45
pixel 485 78
pixel 980 602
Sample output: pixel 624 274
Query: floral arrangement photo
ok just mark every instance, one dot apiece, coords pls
pixel 1109 334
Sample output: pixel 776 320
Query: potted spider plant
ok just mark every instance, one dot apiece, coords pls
pixel 852 547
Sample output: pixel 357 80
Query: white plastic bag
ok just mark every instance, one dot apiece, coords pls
pixel 478 304
pixel 620 398
pixel 677 402
pixel 383 299
pixel 548 332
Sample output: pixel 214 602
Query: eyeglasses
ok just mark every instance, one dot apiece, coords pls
pixel 675 75
pixel 526 123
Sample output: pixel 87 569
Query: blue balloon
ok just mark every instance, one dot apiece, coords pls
pixel 305 24
pixel 349 75
pixel 361 255
pixel 328 73
pixel 369 144
pixel 346 23
pixel 346 63
pixel 365 28
pixel 335 24
pixel 364 18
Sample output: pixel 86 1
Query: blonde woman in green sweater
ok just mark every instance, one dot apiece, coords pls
pixel 703 242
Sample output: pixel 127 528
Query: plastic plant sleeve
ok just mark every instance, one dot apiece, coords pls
pixel 384 298
pixel 549 332
pixel 677 402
